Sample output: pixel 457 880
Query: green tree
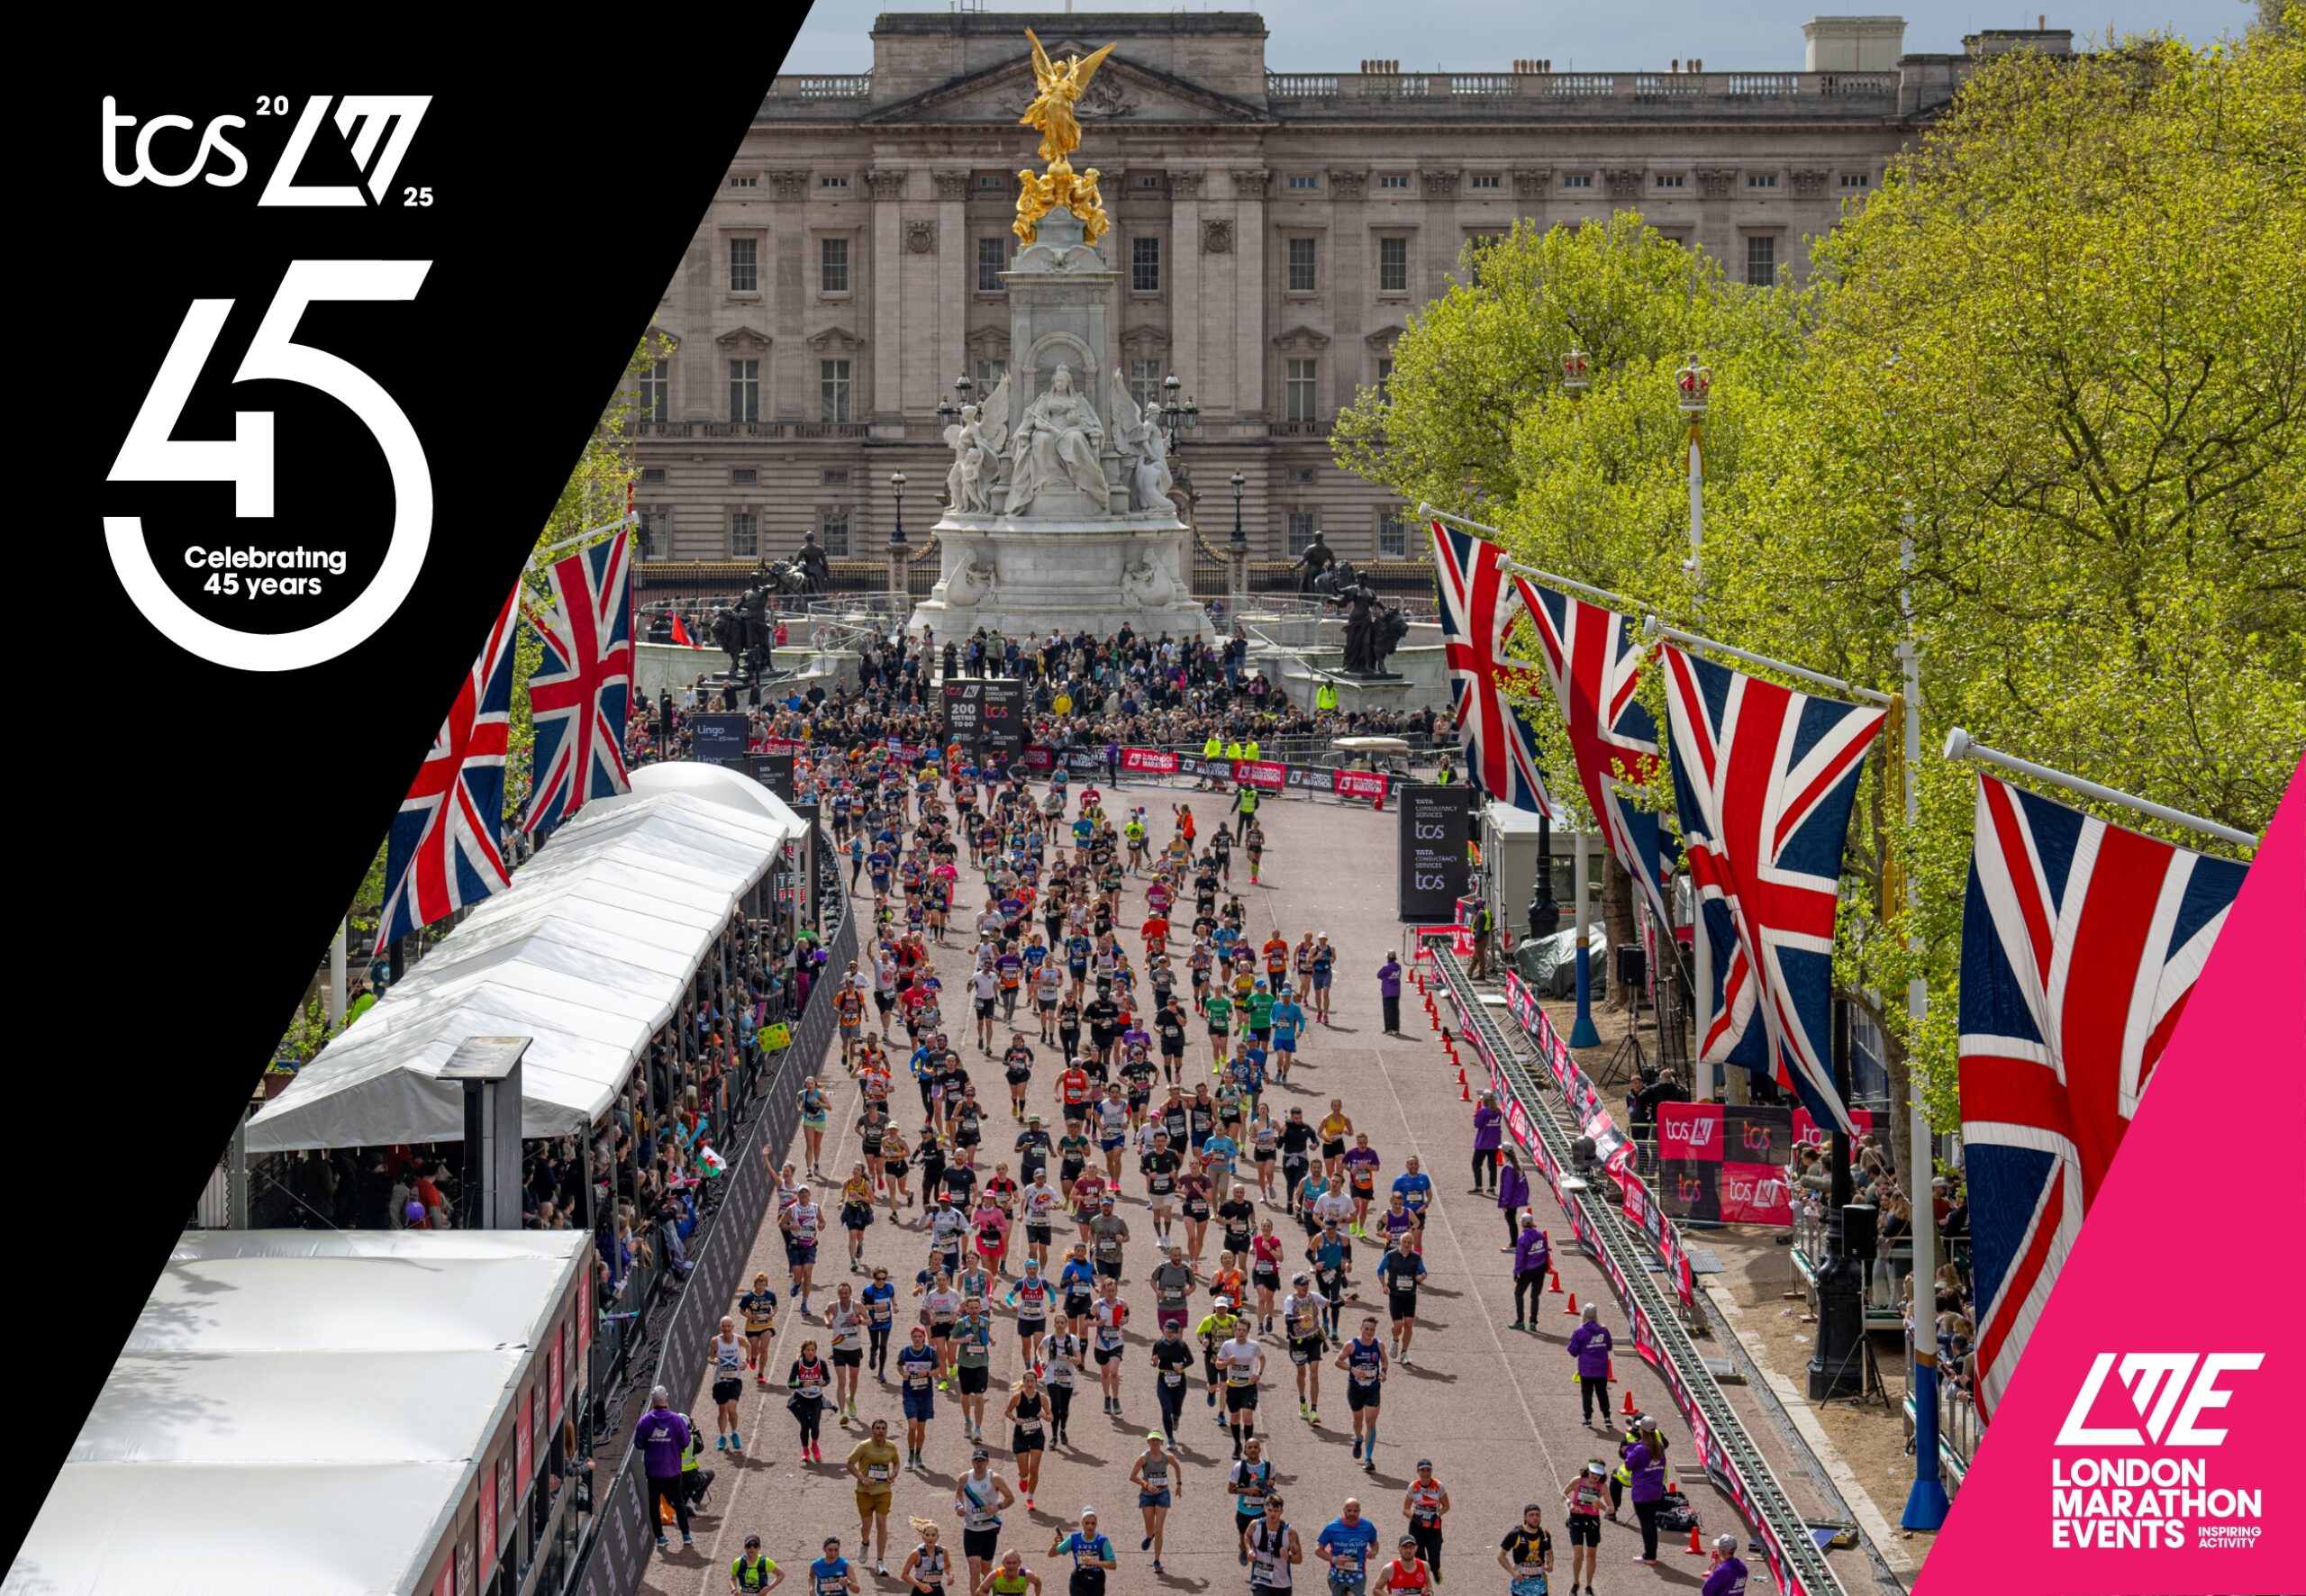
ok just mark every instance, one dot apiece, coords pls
pixel 2062 353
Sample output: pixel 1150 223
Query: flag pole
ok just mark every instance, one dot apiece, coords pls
pixel 1653 628
pixel 1618 600
pixel 1925 1503
pixel 1961 745
pixel 569 542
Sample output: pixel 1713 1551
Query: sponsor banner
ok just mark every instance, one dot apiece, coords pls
pixel 1435 829
pixel 1148 761
pixel 1422 937
pixel 1038 759
pixel 1261 773
pixel 1358 783
pixel 1728 1162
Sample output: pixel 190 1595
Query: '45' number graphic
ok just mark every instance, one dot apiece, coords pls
pixel 150 455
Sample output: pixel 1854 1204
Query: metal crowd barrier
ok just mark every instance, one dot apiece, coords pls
pixel 623 1537
pixel 1801 1568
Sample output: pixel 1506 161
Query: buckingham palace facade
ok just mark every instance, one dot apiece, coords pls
pixel 1273 231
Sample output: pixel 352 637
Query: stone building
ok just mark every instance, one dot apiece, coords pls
pixel 1273 229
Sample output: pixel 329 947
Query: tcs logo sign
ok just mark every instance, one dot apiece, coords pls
pixel 1696 1133
pixel 361 121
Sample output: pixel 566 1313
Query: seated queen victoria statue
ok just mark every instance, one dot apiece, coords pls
pixel 1055 445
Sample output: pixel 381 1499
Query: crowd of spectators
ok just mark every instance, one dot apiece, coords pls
pixel 1081 693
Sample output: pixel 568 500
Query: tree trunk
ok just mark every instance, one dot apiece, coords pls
pixel 1617 914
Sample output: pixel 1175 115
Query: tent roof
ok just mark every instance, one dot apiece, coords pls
pixel 299 1410
pixel 588 953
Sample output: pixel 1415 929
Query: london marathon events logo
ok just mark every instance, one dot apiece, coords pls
pixel 143 146
pixel 2120 1500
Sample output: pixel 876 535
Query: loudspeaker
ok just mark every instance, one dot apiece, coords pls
pixel 1632 965
pixel 1857 1230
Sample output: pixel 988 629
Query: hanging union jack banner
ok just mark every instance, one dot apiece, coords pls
pixel 2080 944
pixel 443 850
pixel 1499 744
pixel 577 697
pixel 1594 667
pixel 1765 777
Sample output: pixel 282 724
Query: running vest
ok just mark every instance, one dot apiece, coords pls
pixel 729 1355
pixel 752 1576
pixel 929 1565
pixel 1425 1501
pixel 1398 1578
pixel 1362 1361
pixel 977 1510
pixel 1156 1471
pixel 1269 1556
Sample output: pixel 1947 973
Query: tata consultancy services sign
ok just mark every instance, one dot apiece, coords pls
pixel 1436 825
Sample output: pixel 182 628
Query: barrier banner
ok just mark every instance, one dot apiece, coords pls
pixel 1261 773
pixel 1148 761
pixel 1726 1163
pixel 1461 941
pixel 1358 783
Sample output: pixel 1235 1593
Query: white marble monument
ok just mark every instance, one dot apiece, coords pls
pixel 1058 508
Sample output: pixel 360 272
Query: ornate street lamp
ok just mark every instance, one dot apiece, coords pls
pixel 1692 382
pixel 1177 421
pixel 948 411
pixel 897 553
pixel 1240 541
pixel 1574 369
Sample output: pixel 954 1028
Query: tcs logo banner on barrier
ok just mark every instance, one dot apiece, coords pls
pixel 1727 1162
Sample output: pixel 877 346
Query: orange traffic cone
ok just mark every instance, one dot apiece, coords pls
pixel 1461 1073
pixel 1554 1285
pixel 1630 1409
pixel 1465 1091
pixel 1696 1548
pixel 1572 1310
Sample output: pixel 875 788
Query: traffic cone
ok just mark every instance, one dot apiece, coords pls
pixel 1461 1074
pixel 1572 1310
pixel 1695 1548
pixel 1554 1282
pixel 1630 1409
pixel 1465 1091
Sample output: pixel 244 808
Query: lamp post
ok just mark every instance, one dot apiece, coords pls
pixel 897 551
pixel 1575 372
pixel 1693 380
pixel 1178 420
pixel 1574 369
pixel 1236 552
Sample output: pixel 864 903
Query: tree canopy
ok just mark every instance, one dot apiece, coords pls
pixel 2061 353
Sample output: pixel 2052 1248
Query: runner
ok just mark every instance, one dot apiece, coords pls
pixel 1583 1496
pixel 1402 1270
pixel 752 1574
pixel 1345 1543
pixel 1092 1554
pixel 1366 1369
pixel 873 1465
pixel 977 1498
pixel 1271 1545
pixel 1009 1577
pixel 845 1321
pixel 1243 1363
pixel 801 1222
pixel 917 1378
pixel 1302 1315
pixel 1361 1163
pixel 1425 1504
pixel 1172 1359
pixel 879 1301
pixel 816 1112
pixel 1110 1314
pixel 927 1565
pixel 1028 1430
pixel 1159 1486
pixel 1411 1575
pixel 830 1574
pixel 807 1381
pixel 972 1360
pixel 1250 1479
pixel 1032 1298
pixel 725 1354
pixel 759 1306
pixel 1334 1128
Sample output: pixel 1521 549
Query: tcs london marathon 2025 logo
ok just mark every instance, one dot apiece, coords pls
pixel 2145 1480
pixel 149 145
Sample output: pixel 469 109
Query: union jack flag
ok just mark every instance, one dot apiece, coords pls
pixel 1764 778
pixel 1594 667
pixel 2080 944
pixel 443 850
pixel 1500 746
pixel 577 696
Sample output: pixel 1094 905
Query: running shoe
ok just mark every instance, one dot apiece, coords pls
pixel 1357 1446
pixel 1369 1465
pixel 721 1443
pixel 1314 1415
pixel 1145 1545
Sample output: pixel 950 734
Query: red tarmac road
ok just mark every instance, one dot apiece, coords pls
pixel 1496 1410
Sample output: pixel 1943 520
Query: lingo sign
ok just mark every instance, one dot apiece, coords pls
pixel 150 454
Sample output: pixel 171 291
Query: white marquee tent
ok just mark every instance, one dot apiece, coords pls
pixel 301 1411
pixel 588 952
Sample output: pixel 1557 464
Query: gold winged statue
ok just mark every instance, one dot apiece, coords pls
pixel 1052 108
